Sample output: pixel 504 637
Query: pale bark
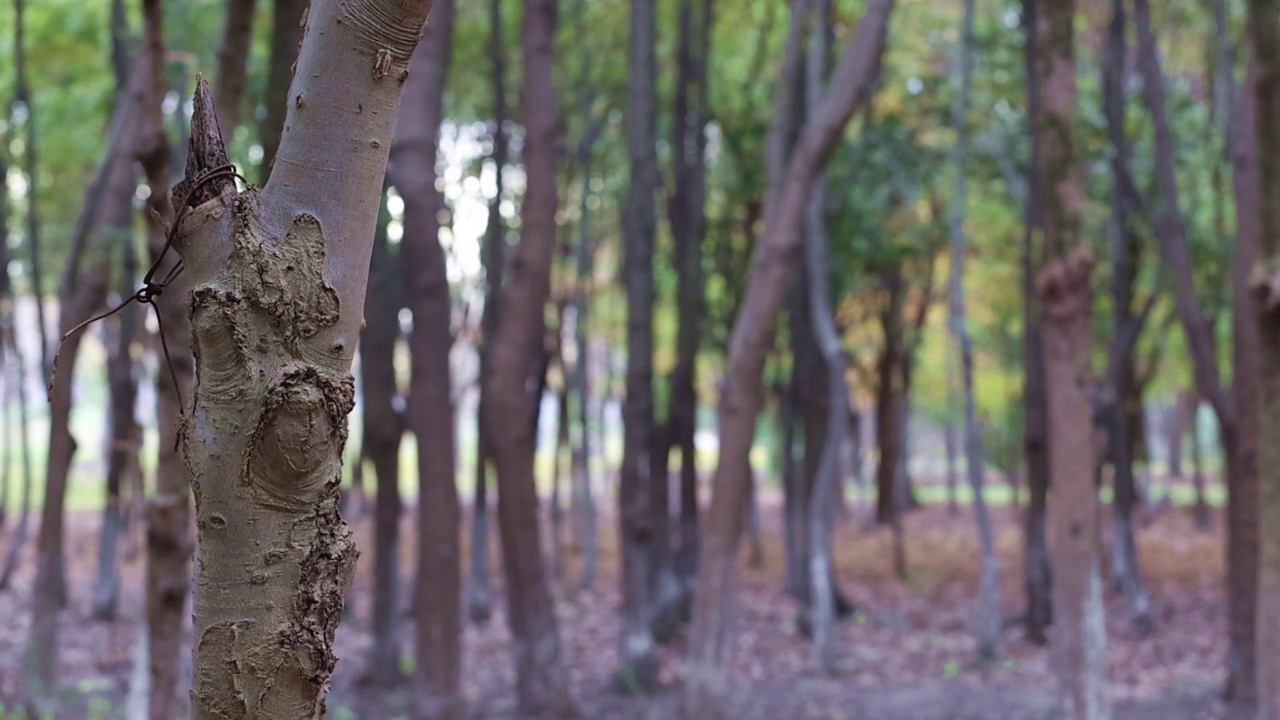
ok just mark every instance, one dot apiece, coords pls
pixel 287 23
pixel 1079 638
pixel 1264 23
pixel 642 495
pixel 542 682
pixel 988 625
pixel 431 412
pixel 278 281
pixel 233 62
pixel 707 680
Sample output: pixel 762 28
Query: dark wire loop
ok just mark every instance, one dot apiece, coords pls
pixel 151 289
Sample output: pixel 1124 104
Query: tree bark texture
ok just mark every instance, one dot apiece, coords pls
pixel 707 680
pixel 541 676
pixel 1079 639
pixel 277 283
pixel 288 21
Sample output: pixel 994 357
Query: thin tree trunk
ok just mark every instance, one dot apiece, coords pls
pixel 1199 511
pixel 125 434
pixel 541 676
pixel 288 19
pixel 1038 569
pixel 275 341
pixel 1079 643
pixel 431 412
pixel 1122 381
pixel 643 515
pixel 989 620
pixel 888 406
pixel 383 429
pixel 30 164
pixel 1264 23
pixel 556 510
pixel 707 684
pixel 949 441
pixel 233 62
pixel 21 531
pixel 479 594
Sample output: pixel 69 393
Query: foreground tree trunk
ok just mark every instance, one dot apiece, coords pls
pixel 431 418
pixel 1079 640
pixel 707 685
pixel 642 509
pixel 542 681
pixel 989 620
pixel 1264 22
pixel 277 286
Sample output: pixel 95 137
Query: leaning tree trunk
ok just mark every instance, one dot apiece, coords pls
pixel 1038 569
pixel 707 684
pixel 989 620
pixel 542 681
pixel 383 430
pixel 431 417
pixel 288 24
pixel 278 282
pixel 1079 641
pixel 1265 26
pixel 479 593
pixel 642 512
pixel 82 293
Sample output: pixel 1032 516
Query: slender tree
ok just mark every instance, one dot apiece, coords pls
pixel 989 620
pixel 30 167
pixel 541 676
pixel 431 417
pixel 233 63
pixel 288 20
pixel 277 286
pixel 642 496
pixel 707 682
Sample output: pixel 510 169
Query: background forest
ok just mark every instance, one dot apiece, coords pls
pixel 719 358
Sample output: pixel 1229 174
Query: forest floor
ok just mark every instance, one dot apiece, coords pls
pixel 906 655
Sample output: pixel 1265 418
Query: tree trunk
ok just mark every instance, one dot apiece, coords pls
pixel 383 429
pixel 889 406
pixel 1038 569
pixel 1200 510
pixel 642 493
pixel 21 531
pixel 1264 23
pixel 1122 383
pixel 288 21
pixel 556 510
pixel 479 594
pixel 431 413
pixel 989 621
pixel 275 340
pixel 122 385
pixel 541 677
pixel 953 475
pixel 707 685
pixel 30 163
pixel 1079 645
pixel 233 62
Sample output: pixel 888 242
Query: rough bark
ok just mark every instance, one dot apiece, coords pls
pixel 642 511
pixel 383 430
pixel 1038 569
pixel 288 21
pixel 233 63
pixel 541 676
pixel 82 293
pixel 30 163
pixel 707 680
pixel 1264 23
pixel 1121 380
pixel 479 594
pixel 989 623
pixel 278 281
pixel 431 414
pixel 1079 641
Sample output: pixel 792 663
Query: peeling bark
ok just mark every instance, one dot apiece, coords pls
pixel 707 682
pixel 277 282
